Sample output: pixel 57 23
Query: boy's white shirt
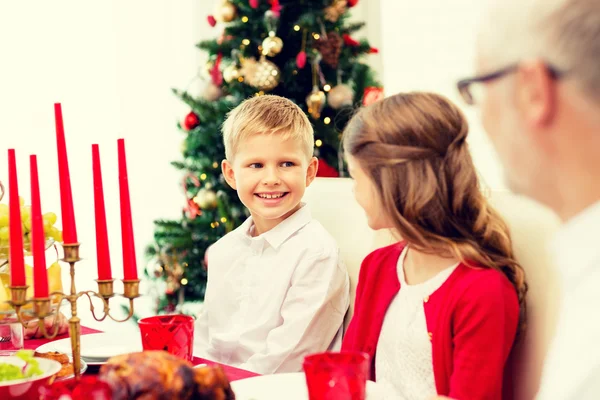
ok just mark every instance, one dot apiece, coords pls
pixel 274 298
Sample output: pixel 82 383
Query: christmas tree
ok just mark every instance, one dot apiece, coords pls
pixel 299 49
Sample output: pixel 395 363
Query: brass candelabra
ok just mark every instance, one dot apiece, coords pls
pixel 42 308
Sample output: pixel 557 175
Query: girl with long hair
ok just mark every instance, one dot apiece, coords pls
pixel 438 312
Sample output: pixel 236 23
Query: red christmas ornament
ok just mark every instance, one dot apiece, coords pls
pixel 352 3
pixel 192 210
pixel 276 7
pixel 211 20
pixel 253 3
pixel 301 59
pixel 215 73
pixel 326 171
pixel 191 121
pixel 348 41
pixel 371 95
pixel 373 50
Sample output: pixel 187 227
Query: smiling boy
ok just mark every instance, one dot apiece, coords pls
pixel 277 288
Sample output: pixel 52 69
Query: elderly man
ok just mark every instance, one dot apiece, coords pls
pixel 539 96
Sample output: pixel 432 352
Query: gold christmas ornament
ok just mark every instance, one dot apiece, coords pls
pixel 206 199
pixel 315 102
pixel 231 73
pixel 264 75
pixel 335 10
pixel 225 11
pixel 272 45
pixel 340 96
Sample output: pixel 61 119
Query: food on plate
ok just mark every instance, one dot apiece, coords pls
pixel 10 372
pixel 62 358
pixel 151 375
pixel 53 355
pixel 66 370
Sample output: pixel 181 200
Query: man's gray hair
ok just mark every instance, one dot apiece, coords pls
pixel 564 33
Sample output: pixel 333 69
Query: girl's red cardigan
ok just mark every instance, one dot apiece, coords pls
pixel 472 322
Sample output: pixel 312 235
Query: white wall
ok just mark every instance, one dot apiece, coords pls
pixel 427 45
pixel 368 11
pixel 112 65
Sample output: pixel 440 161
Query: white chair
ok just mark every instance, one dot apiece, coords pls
pixel 332 203
pixel 531 227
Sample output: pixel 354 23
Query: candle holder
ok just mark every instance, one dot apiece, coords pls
pixel 43 308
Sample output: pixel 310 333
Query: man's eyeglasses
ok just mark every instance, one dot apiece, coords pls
pixel 468 87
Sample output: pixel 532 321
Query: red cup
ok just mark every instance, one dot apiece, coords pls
pixel 172 333
pixel 339 376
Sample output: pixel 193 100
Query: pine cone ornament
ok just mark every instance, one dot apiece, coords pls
pixel 330 48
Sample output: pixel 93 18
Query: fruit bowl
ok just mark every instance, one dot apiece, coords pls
pixel 27 388
pixel 51 233
pixel 4 250
pixel 54 285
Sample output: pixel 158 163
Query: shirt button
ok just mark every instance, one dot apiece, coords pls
pixel 430 335
pixel 425 299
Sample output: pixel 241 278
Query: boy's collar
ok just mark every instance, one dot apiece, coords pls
pixel 283 231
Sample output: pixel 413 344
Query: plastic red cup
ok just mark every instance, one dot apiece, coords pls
pixel 172 333
pixel 339 376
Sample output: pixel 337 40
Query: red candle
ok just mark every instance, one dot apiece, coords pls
pixel 103 254
pixel 129 263
pixel 38 242
pixel 15 241
pixel 66 197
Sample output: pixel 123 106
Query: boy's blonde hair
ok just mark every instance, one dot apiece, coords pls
pixel 267 115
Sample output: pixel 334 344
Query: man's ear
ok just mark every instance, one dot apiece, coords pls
pixel 311 172
pixel 228 173
pixel 537 94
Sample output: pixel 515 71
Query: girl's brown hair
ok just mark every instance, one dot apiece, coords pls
pixel 412 145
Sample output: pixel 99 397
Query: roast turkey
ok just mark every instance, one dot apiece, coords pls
pixel 158 375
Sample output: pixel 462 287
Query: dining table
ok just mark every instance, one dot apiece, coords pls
pixel 233 373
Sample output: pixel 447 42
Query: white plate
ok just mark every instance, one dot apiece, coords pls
pixel 48 367
pixel 96 348
pixel 290 386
